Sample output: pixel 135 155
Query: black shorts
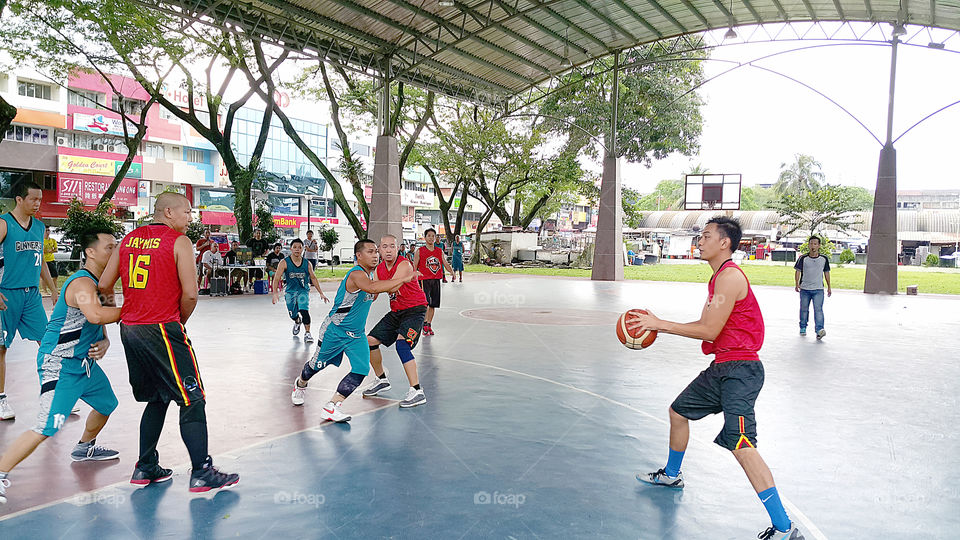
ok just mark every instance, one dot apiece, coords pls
pixel 52 266
pixel 729 387
pixel 407 323
pixel 161 363
pixel 431 288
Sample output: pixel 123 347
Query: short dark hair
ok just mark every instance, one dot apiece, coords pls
pixel 728 228
pixel 428 231
pixel 296 241
pixel 278 245
pixel 310 232
pixel 91 236
pixel 814 237
pixel 359 245
pixel 22 189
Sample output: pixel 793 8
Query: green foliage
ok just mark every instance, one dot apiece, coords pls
pixel 195 230
pixel 932 260
pixel 630 201
pixel 668 195
pixel 812 211
pixel 658 114
pixel 265 223
pixel 800 176
pixel 755 198
pixel 861 199
pixel 327 237
pixel 826 247
pixel 80 220
pixel 847 256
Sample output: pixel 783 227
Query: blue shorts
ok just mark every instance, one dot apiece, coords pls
pixel 335 342
pixel 24 314
pixel 297 302
pixel 63 381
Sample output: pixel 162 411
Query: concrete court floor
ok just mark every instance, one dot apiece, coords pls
pixel 536 422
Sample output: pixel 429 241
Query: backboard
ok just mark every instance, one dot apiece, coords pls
pixel 711 192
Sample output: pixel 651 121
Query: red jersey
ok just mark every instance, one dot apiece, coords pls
pixel 431 262
pixel 410 294
pixel 742 335
pixel 149 277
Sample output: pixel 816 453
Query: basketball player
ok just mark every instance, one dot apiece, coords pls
pixel 343 330
pixel 73 343
pixel 295 269
pixel 731 327
pixel 21 309
pixel 430 262
pixel 401 325
pixel 159 279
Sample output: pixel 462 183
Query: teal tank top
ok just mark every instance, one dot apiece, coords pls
pixel 69 334
pixel 22 253
pixel 298 280
pixel 350 309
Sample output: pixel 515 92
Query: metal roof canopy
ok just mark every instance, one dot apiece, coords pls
pixel 489 50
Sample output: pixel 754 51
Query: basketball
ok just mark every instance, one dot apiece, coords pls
pixel 631 338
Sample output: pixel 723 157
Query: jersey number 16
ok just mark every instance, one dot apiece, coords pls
pixel 139 271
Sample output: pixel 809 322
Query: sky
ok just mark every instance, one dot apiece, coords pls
pixel 754 121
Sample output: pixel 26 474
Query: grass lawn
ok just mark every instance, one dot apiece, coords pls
pixel 840 277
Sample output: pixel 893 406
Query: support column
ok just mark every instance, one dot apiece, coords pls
pixel 608 248
pixel 385 204
pixel 881 277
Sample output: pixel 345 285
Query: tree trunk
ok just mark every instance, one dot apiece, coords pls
pixel 132 146
pixel 242 181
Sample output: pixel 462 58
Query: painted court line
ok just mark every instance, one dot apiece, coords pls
pixel 812 530
pixel 185 465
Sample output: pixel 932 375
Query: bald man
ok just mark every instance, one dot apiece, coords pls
pixel 156 270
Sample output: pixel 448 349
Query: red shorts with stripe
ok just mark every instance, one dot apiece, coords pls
pixel 161 362
pixel 730 387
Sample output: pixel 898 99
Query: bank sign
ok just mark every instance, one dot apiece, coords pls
pixel 101 125
pixel 96 166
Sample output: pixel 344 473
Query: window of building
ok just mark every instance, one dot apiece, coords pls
pixel 284 205
pixel 165 114
pixel 85 98
pixel 154 151
pixel 416 186
pixel 28 134
pixel 91 141
pixel 132 106
pixel 195 156
pixel 49 182
pixel 323 208
pixel 34 90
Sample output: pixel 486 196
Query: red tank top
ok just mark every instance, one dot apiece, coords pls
pixel 742 335
pixel 410 294
pixel 148 274
pixel 431 265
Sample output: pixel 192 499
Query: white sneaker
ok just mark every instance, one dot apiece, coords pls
pixel 377 386
pixel 298 393
pixel 307 338
pixel 413 398
pixel 333 413
pixel 296 326
pixel 6 411
pixel 4 484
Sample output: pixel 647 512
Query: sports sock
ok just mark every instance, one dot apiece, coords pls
pixel 3 475
pixel 2 395
pixel 416 387
pixel 673 463
pixel 778 516
pixel 384 376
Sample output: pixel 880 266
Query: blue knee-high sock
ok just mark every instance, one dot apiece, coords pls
pixel 778 516
pixel 673 463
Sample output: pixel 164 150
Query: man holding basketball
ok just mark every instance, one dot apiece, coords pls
pixel 731 327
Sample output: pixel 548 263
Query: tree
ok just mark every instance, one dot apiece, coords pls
pixel 658 112
pixel 757 198
pixel 7 111
pixel 668 195
pixel 812 211
pixel 803 174
pixel 44 34
pixel 860 198
pixel 633 217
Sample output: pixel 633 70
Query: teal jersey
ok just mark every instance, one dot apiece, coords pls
pixel 350 309
pixel 22 253
pixel 297 277
pixel 69 334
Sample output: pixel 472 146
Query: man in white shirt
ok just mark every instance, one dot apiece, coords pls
pixel 211 259
pixel 311 249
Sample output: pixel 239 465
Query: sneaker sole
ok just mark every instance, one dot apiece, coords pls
pixel 95 458
pixel 377 393
pixel 410 405
pixel 206 489
pixel 341 421
pixel 645 480
pixel 8 417
pixel 148 481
